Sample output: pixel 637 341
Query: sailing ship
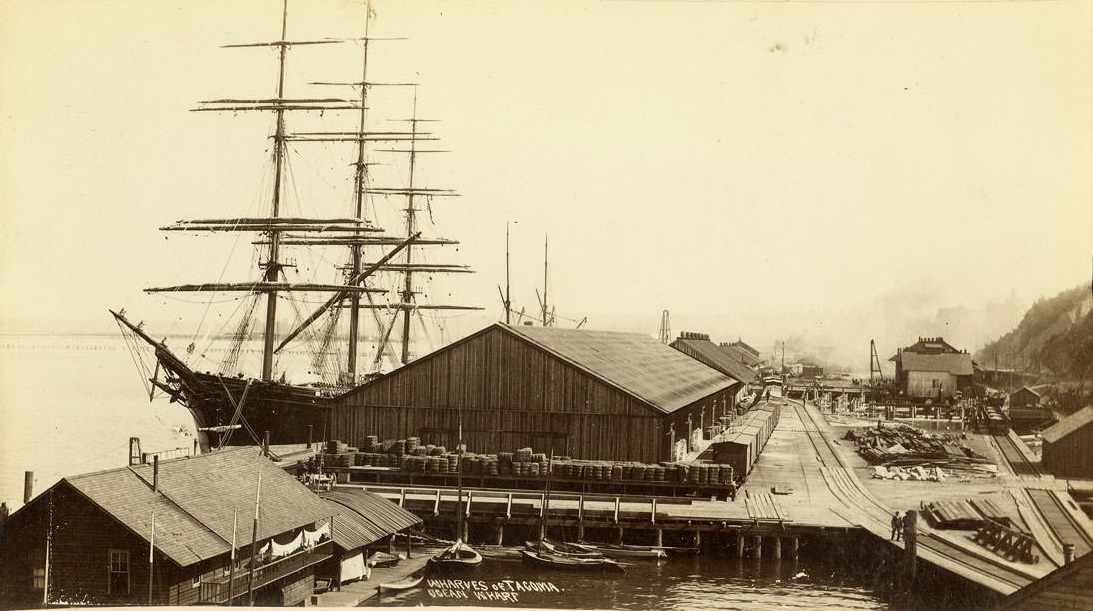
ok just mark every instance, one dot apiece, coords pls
pixel 376 281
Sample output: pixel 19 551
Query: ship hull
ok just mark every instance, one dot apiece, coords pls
pixel 290 414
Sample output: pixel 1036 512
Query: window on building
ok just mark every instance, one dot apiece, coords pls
pixel 118 582
pixel 38 569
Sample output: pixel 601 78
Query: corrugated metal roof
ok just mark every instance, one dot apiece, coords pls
pixel 351 530
pixel 372 516
pixel 1068 425
pixel 637 364
pixel 959 364
pixel 197 500
pixel 711 354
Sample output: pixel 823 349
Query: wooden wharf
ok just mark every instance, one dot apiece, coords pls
pixel 803 485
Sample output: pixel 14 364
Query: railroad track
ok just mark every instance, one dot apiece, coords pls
pixel 1062 521
pixel 1018 461
pixel 983 568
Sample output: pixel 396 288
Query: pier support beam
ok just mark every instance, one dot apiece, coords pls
pixel 758 546
pixel 739 545
pixel 698 539
pixel 660 537
pixel 794 547
pixel 777 548
pixel 580 531
pixel 618 535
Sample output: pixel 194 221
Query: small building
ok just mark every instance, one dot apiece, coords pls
pixel 1025 398
pixel 578 392
pixel 698 346
pixel 932 369
pixel 743 353
pixel 1066 446
pixel 176 532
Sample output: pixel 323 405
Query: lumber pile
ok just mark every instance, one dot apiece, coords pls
pixel 905 452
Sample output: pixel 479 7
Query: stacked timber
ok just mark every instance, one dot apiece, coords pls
pixel 911 449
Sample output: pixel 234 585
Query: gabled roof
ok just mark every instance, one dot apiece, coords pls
pixel 365 517
pixel 198 499
pixel 636 364
pixel 710 354
pixel 1068 425
pixel 1028 389
pixel 958 364
pixel 740 354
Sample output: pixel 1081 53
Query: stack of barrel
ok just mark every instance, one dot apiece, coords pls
pixel 411 456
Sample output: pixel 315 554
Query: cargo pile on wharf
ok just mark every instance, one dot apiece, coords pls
pixel 914 451
pixel 410 456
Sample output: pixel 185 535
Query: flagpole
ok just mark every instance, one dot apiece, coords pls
pixel 254 543
pixel 231 569
pixel 151 558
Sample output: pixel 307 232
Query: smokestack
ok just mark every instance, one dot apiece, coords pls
pixel 155 473
pixel 28 486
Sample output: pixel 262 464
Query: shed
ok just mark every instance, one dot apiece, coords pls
pixel 1066 446
pixel 578 392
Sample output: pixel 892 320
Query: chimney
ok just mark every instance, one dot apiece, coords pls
pixel 155 473
pixel 28 486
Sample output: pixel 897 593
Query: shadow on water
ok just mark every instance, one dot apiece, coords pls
pixel 682 582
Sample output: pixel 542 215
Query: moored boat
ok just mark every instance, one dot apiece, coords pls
pixel 375 276
pixel 543 558
pixel 456 557
pixel 406 583
pixel 623 551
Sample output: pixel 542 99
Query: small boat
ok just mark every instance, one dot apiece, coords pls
pixel 457 556
pixel 406 583
pixel 543 558
pixel 623 551
pixel 562 549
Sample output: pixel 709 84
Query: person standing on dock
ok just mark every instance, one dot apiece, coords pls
pixel 897 526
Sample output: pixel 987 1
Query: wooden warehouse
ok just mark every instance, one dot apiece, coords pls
pixel 1066 446
pixel 581 393
pixel 932 369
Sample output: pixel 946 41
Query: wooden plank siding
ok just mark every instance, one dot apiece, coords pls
pixel 510 394
pixel 81 537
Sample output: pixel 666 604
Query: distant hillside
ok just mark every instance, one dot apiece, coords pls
pixel 1054 338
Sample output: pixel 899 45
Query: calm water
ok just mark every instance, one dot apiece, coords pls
pixel 685 582
pixel 70 404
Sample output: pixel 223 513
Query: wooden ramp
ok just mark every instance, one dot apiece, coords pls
pixel 762 506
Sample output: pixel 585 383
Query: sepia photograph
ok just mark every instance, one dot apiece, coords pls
pixel 551 304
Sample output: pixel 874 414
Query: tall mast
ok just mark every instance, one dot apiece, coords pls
pixel 411 228
pixel 546 257
pixel 508 299
pixel 273 265
pixel 360 178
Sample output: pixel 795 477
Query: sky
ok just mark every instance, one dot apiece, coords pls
pixel 816 173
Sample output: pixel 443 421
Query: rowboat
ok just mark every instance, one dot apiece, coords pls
pixel 543 558
pixel 406 583
pixel 623 551
pixel 456 557
pixel 562 549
